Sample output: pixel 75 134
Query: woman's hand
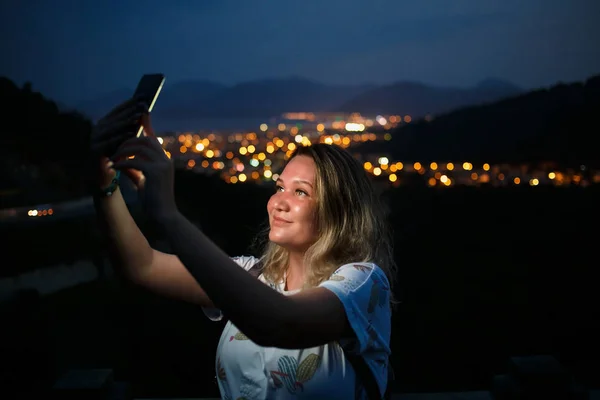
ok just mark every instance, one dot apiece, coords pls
pixel 109 132
pixel 156 172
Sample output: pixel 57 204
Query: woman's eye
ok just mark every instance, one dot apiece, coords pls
pixel 279 188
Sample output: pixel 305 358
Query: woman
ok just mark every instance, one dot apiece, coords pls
pixel 323 295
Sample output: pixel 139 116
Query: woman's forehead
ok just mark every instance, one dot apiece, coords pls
pixel 299 167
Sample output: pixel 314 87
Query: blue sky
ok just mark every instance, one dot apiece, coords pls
pixel 75 50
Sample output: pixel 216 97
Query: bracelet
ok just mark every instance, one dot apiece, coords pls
pixel 114 184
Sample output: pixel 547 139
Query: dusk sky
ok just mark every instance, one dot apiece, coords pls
pixel 76 50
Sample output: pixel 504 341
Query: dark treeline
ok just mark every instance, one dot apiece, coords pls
pixel 42 150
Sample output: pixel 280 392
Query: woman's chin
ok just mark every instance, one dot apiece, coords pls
pixel 280 241
pixel 277 240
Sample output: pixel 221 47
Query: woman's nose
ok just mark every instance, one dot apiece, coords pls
pixel 280 201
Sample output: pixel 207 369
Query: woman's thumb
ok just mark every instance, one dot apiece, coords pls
pixel 147 125
pixel 106 171
pixel 136 177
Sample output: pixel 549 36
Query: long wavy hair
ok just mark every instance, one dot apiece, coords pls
pixel 351 221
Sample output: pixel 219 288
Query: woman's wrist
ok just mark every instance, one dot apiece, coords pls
pixel 111 188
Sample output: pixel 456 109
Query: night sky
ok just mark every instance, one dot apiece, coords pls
pixel 76 50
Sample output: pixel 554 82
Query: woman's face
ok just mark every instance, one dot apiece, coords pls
pixel 292 208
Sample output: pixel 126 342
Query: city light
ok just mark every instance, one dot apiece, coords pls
pixel 247 156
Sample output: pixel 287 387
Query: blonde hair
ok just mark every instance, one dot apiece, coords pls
pixel 351 220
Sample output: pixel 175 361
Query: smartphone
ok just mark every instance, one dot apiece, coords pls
pixel 147 90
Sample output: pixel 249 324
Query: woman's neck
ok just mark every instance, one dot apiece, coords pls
pixel 296 272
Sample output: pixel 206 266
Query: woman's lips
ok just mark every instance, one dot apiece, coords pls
pixel 280 221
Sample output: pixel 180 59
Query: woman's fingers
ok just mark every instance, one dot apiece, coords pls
pixel 122 123
pixel 107 172
pixel 144 146
pixel 122 127
pixel 133 109
pixel 147 125
pixel 118 112
pixel 129 104
pixel 137 177
pixel 132 112
pixel 131 163
pixel 135 150
pixel 107 146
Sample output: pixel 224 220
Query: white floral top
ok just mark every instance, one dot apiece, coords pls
pixel 251 372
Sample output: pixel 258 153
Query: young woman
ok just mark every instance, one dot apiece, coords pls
pixel 322 297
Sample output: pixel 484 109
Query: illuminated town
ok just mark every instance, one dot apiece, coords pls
pixel 257 156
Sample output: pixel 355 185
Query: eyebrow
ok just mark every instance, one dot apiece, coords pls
pixel 297 181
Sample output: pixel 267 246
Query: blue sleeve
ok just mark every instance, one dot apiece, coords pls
pixel 364 291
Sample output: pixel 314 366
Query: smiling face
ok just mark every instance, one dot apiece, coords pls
pixel 292 208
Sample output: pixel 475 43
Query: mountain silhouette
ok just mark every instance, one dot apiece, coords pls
pixel 273 97
pixel 418 100
pixel 555 124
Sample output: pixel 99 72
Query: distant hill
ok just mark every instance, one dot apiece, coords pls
pixel 181 99
pixel 276 96
pixel 418 100
pixel 557 124
pixel 273 97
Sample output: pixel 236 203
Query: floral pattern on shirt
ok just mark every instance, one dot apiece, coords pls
pixel 293 376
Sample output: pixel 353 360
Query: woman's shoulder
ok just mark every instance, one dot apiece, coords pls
pixel 366 269
pixel 355 275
